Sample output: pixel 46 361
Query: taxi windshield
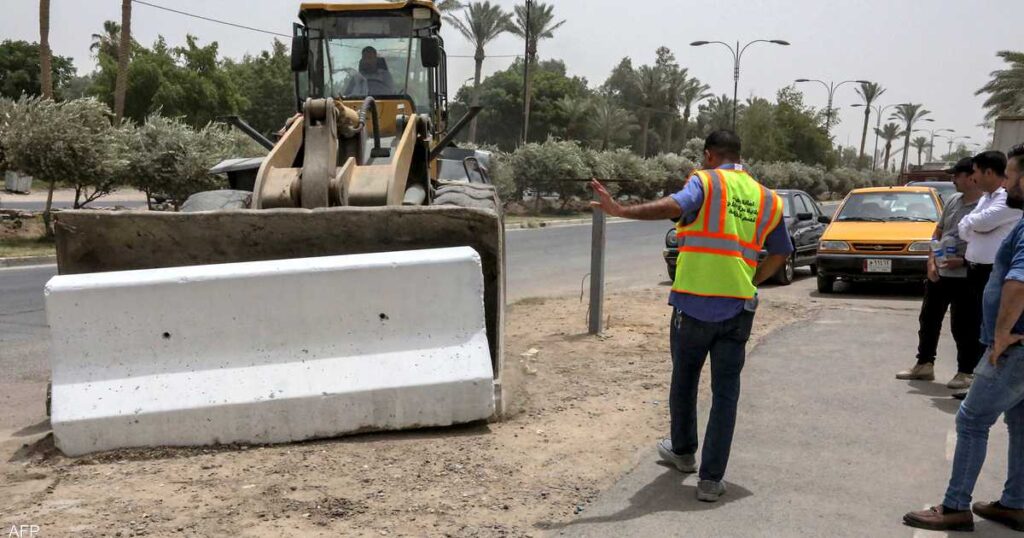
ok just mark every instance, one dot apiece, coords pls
pixel 889 206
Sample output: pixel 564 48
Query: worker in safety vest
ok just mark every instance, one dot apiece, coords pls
pixel 724 219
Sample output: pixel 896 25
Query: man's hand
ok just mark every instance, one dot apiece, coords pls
pixel 954 262
pixel 1003 341
pixel 606 203
pixel 933 273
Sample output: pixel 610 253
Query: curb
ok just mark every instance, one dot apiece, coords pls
pixel 555 223
pixel 27 261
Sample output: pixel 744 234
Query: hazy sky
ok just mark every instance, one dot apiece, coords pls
pixel 936 52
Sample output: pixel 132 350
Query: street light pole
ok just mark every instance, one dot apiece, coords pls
pixel 737 55
pixel 831 88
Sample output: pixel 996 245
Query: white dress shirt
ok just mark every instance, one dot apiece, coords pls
pixel 985 228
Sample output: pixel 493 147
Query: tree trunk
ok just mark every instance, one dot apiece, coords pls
pixel 863 136
pixel 888 146
pixel 78 196
pixel 45 67
pixel 124 47
pixel 686 124
pixel 479 58
pixel 47 214
pixel 644 126
pixel 906 150
pixel 529 95
pixel 919 150
pixel 667 143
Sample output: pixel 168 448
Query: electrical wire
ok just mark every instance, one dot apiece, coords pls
pixel 209 19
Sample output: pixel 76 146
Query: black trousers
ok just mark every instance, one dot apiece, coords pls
pixel 957 295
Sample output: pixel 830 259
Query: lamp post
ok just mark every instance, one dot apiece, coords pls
pixel 952 139
pixel 931 142
pixel 879 110
pixel 737 55
pixel 831 87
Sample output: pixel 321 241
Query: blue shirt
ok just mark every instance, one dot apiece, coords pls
pixel 1009 265
pixel 713 309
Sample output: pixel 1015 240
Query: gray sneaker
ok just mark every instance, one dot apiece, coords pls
pixel 709 491
pixel 684 462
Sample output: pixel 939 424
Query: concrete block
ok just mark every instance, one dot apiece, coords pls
pixel 269 351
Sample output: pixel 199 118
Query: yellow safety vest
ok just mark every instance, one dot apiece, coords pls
pixel 719 250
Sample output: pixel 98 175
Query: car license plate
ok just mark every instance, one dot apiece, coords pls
pixel 877 266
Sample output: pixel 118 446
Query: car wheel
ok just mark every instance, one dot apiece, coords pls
pixel 787 272
pixel 826 284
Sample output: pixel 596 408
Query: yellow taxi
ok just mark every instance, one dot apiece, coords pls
pixel 879 234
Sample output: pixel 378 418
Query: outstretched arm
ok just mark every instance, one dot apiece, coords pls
pixel 665 208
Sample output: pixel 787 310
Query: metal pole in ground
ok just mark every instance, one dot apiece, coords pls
pixel 597 243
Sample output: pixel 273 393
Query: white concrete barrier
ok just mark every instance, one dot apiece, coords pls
pixel 268 352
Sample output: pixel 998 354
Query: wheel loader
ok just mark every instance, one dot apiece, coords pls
pixel 333 298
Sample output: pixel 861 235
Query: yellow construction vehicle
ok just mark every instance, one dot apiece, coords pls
pixel 365 166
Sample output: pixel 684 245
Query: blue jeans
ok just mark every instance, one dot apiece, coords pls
pixel 996 390
pixel 692 341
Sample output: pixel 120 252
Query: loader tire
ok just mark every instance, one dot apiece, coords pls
pixel 215 200
pixel 470 195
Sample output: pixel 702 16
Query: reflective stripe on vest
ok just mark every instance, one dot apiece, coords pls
pixel 720 233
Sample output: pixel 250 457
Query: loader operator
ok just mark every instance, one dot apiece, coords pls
pixel 726 218
pixel 373 77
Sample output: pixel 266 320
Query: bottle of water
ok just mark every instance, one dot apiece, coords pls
pixel 949 242
pixel 939 251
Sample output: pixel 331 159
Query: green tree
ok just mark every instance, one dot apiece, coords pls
pixel 869 92
pixel 692 92
pixel 716 113
pixel 480 23
pixel 674 79
pixel 266 85
pixel 19 70
pixel 612 124
pixel 762 139
pixel 501 96
pixel 889 132
pixel 576 111
pixel 800 126
pixel 82 146
pixel 909 114
pixel 1006 89
pixel 542 25
pixel 651 91
pixel 107 43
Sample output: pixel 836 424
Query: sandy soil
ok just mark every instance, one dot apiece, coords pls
pixel 39 193
pixel 582 407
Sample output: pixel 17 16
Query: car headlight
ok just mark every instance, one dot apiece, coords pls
pixel 671 240
pixel 834 245
pixel 920 246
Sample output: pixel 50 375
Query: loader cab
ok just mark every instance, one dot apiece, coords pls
pixel 390 51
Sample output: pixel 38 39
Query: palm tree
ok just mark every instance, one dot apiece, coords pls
pixel 575 111
pixel 124 46
pixel 107 43
pixel 541 25
pixel 651 88
pixel 889 132
pixel 716 113
pixel 444 6
pixel 692 92
pixel 611 122
pixel 920 144
pixel 909 114
pixel 1006 89
pixel 480 24
pixel 869 92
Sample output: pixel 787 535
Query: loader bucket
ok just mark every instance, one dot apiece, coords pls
pixel 364 321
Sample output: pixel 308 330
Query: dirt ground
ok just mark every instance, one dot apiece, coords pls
pixel 581 409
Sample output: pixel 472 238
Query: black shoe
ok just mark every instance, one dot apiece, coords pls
pixel 960 394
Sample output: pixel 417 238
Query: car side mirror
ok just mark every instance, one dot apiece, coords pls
pixel 430 52
pixel 804 216
pixel 825 219
pixel 300 53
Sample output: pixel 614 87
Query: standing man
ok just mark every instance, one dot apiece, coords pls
pixel 947 288
pixel 724 219
pixel 997 390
